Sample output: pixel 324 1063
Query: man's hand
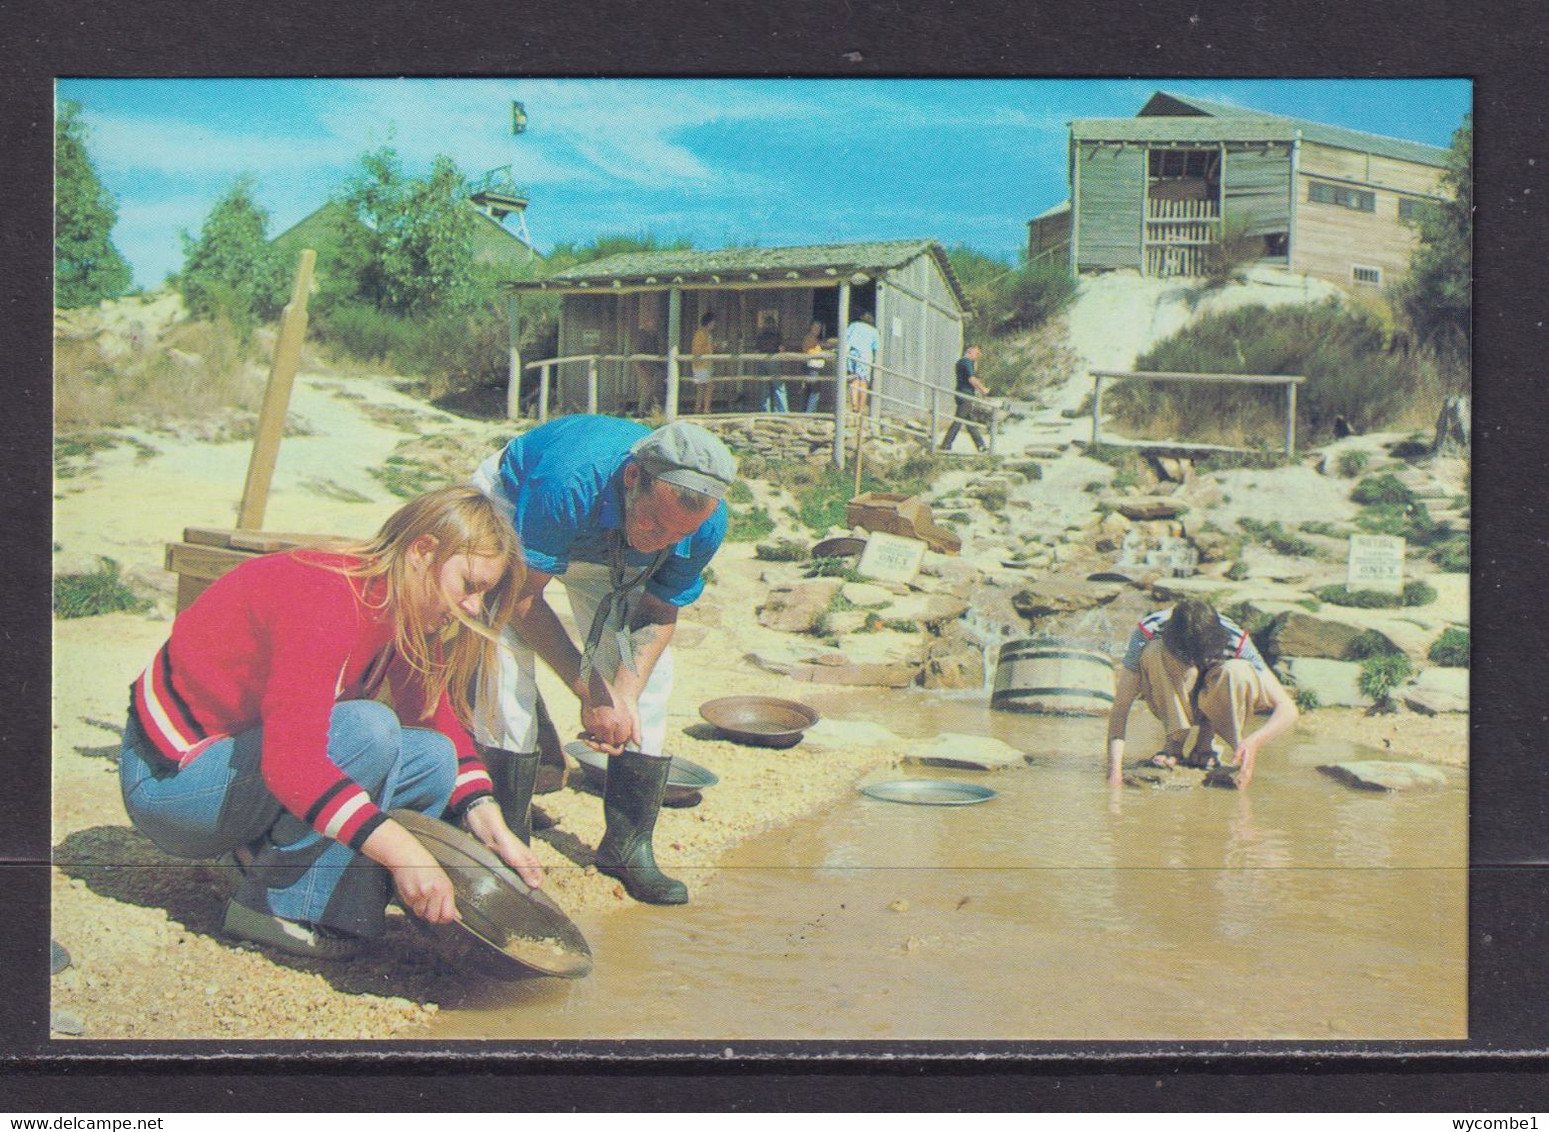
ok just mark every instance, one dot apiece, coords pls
pixel 486 823
pixel 1243 758
pixel 613 726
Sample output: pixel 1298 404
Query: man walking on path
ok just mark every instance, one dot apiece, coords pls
pixel 627 519
pixel 966 412
pixel 1194 668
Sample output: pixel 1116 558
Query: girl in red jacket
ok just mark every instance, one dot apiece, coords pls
pixel 256 729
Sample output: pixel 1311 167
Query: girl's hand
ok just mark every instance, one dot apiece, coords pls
pixel 426 890
pixel 487 824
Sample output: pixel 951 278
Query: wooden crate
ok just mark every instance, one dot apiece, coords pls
pixel 208 552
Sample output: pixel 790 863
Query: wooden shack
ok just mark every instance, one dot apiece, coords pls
pixel 626 320
pixel 1157 191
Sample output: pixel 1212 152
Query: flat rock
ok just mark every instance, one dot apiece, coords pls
pixel 1146 507
pixel 849 733
pixel 1336 683
pixel 1388 776
pixel 866 594
pixel 966 752
pixel 1296 633
pixel 796 608
pixel 1051 597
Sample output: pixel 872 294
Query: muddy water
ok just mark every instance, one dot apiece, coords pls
pixel 1299 909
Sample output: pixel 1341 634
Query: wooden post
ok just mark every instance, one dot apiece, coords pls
pixel 543 393
pixel 591 385
pixel 674 336
pixel 514 360
pixel 1097 411
pixel 860 452
pixel 994 426
pixel 841 394
pixel 271 418
pixel 1290 421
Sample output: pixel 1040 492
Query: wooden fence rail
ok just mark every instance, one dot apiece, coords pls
pixel 1290 381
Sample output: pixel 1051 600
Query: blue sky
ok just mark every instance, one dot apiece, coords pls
pixel 716 161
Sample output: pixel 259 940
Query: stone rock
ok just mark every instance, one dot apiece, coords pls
pixel 865 594
pixel 1436 690
pixel 953 662
pixel 796 609
pixel 1336 683
pixel 845 621
pixel 1301 634
pixel 1147 508
pixel 1377 774
pixel 1215 545
pixel 66 1022
pixel 966 752
pixel 1053 597
pixel 849 733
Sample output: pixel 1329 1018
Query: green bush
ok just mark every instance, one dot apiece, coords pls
pixel 1415 593
pixel 1237 572
pixel 1352 462
pixel 834 568
pixel 1369 644
pixel 1277 538
pixel 739 492
pixel 1452 554
pixel 1385 490
pixel 1306 699
pixel 1319 527
pixel 102 591
pixel 1381 675
pixel 781 550
pixel 1451 649
pixel 1344 355
pixel 749 525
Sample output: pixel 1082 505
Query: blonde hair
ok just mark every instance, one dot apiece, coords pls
pixel 462 520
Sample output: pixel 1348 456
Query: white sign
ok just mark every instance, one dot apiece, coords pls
pixel 1376 563
pixel 891 558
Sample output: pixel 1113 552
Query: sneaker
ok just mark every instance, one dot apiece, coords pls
pixel 290 936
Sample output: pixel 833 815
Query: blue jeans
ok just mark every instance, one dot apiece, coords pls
pixel 775 399
pixel 219 802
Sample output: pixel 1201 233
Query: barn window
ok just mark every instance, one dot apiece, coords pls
pixel 1371 275
pixel 1183 164
pixel 1321 192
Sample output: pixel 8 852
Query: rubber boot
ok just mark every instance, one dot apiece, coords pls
pixel 514 774
pixel 630 803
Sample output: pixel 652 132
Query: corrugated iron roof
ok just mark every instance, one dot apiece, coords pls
pixel 1202 120
pixel 699 266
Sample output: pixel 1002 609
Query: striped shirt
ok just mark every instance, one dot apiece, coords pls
pixel 277 642
pixel 1239 644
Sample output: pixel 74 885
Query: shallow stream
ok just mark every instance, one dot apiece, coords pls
pixel 1057 910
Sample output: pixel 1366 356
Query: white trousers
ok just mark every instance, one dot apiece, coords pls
pixel 509 719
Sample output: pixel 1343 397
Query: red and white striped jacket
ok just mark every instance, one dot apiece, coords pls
pixel 277 642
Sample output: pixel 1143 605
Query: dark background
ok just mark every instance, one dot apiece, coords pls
pixel 1499 44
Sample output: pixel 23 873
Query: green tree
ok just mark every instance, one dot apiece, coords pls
pixel 87 267
pixel 231 270
pixel 407 244
pixel 1436 295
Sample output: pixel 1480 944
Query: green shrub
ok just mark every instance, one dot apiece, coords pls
pixel 834 568
pixel 1276 537
pixel 1381 675
pixel 901 626
pixel 1352 462
pixel 739 492
pixel 1451 649
pixel 1415 593
pixel 1452 554
pixel 749 525
pixel 1306 699
pixel 1319 527
pixel 781 550
pixel 1383 490
pixel 102 591
pixel 1369 644
pixel 1237 572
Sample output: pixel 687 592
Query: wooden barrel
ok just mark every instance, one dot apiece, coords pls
pixel 1052 679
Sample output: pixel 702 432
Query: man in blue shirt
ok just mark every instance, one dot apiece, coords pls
pixel 626 519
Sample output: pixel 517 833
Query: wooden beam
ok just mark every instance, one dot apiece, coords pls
pixel 271 418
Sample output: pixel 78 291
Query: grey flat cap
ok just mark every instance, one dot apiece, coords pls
pixel 687 455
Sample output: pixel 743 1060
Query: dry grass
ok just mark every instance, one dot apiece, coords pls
pixel 197 369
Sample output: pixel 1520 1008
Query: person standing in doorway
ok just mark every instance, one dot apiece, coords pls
pixel 861 345
pixel 701 367
pixel 812 346
pixel 966 412
pixel 773 398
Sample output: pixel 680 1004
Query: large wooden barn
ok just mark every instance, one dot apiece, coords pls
pixel 1154 192
pixel 627 323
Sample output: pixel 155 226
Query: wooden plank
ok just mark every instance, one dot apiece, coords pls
pixel 188 589
pixel 1226 378
pixel 191 560
pixel 255 542
pixel 271 418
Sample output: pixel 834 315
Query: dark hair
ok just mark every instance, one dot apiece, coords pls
pixel 1194 633
pixel 707 318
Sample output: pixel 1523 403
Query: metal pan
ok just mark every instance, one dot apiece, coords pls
pixel 929 792
pixel 685 779
pixel 759 721
pixel 520 929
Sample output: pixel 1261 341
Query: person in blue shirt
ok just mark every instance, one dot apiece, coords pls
pixel 626 519
pixel 1195 668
